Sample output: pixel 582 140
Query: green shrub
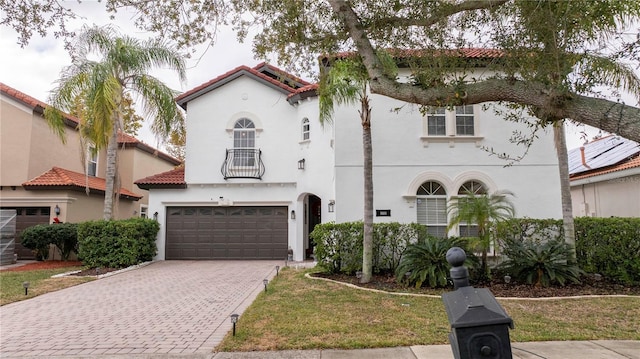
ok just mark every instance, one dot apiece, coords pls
pixel 610 247
pixel 36 238
pixel 425 262
pixel 117 244
pixel 539 262
pixel 62 235
pixel 338 247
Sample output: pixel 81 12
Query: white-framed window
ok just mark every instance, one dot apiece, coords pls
pixel 144 211
pixel 92 161
pixel 464 121
pixel 431 208
pixel 437 122
pixel 457 124
pixel 306 129
pixel 244 142
pixel 478 189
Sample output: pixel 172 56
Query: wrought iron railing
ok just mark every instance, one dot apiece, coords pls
pixel 243 163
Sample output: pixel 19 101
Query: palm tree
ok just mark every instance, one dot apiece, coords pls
pixel 484 211
pixel 560 142
pixel 101 86
pixel 345 82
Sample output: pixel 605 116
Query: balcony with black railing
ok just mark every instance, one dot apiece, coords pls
pixel 243 163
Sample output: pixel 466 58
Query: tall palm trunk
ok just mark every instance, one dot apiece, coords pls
pixel 565 189
pixel 367 241
pixel 111 172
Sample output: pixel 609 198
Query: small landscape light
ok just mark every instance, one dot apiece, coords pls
pixel 25 285
pixel 97 270
pixel 277 270
pixel 507 279
pixel 234 320
pixel 358 274
pixel 597 277
pixel 265 282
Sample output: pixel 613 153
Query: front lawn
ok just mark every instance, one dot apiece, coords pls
pixel 301 313
pixel 40 282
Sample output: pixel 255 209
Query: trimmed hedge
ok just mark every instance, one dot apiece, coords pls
pixel 608 246
pixel 39 237
pixel 117 244
pixel 338 246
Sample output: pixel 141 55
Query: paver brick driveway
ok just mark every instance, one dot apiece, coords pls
pixel 165 307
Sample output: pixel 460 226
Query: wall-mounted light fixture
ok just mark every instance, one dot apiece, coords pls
pixel 155 216
pixel 332 206
pixel 301 164
pixel 293 214
pixel 56 210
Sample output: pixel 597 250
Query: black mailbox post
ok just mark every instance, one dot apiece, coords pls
pixel 479 325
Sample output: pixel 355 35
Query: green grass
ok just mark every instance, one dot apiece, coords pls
pixel 40 282
pixel 302 313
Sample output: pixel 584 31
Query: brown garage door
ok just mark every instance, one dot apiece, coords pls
pixel 226 233
pixel 27 217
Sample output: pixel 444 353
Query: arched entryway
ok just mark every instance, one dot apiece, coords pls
pixel 312 217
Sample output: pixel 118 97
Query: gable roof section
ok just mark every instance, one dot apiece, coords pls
pixel 605 155
pixel 60 178
pixel 71 121
pixel 264 73
pixel 130 141
pixel 168 179
pixel 36 105
pixel 399 54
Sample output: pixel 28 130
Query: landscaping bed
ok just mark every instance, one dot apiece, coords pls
pixel 588 286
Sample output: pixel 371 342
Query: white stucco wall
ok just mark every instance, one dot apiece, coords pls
pixel 403 159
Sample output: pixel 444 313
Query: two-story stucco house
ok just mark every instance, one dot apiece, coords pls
pixel 44 179
pixel 261 170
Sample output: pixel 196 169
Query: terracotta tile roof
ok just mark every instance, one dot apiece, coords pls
pixel 284 73
pixel 58 177
pixel 229 76
pixel 130 141
pixel 34 103
pixel 168 179
pixel 632 163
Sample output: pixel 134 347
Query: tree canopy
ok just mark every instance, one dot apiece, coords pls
pixel 540 41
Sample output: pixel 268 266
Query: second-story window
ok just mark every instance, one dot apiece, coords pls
pixel 244 142
pixel 464 121
pixel 92 161
pixel 306 128
pixel 436 122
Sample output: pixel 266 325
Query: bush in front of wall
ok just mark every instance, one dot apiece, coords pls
pixel 338 246
pixel 610 247
pixel 36 238
pixel 39 238
pixel 117 244
pixel 425 263
pixel 540 263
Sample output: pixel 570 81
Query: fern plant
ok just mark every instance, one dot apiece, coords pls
pixel 539 263
pixel 425 262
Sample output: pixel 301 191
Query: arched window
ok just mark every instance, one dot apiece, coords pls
pixel 431 208
pixel 474 187
pixel 477 189
pixel 244 142
pixel 306 128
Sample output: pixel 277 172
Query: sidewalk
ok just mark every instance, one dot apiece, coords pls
pixel 596 349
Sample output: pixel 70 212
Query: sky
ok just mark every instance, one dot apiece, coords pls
pixel 35 68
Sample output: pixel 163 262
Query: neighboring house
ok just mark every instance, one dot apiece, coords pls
pixel 261 170
pixel 605 178
pixel 44 179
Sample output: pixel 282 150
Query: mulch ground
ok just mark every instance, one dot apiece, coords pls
pixel 44 265
pixel 588 286
pixel 60 264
